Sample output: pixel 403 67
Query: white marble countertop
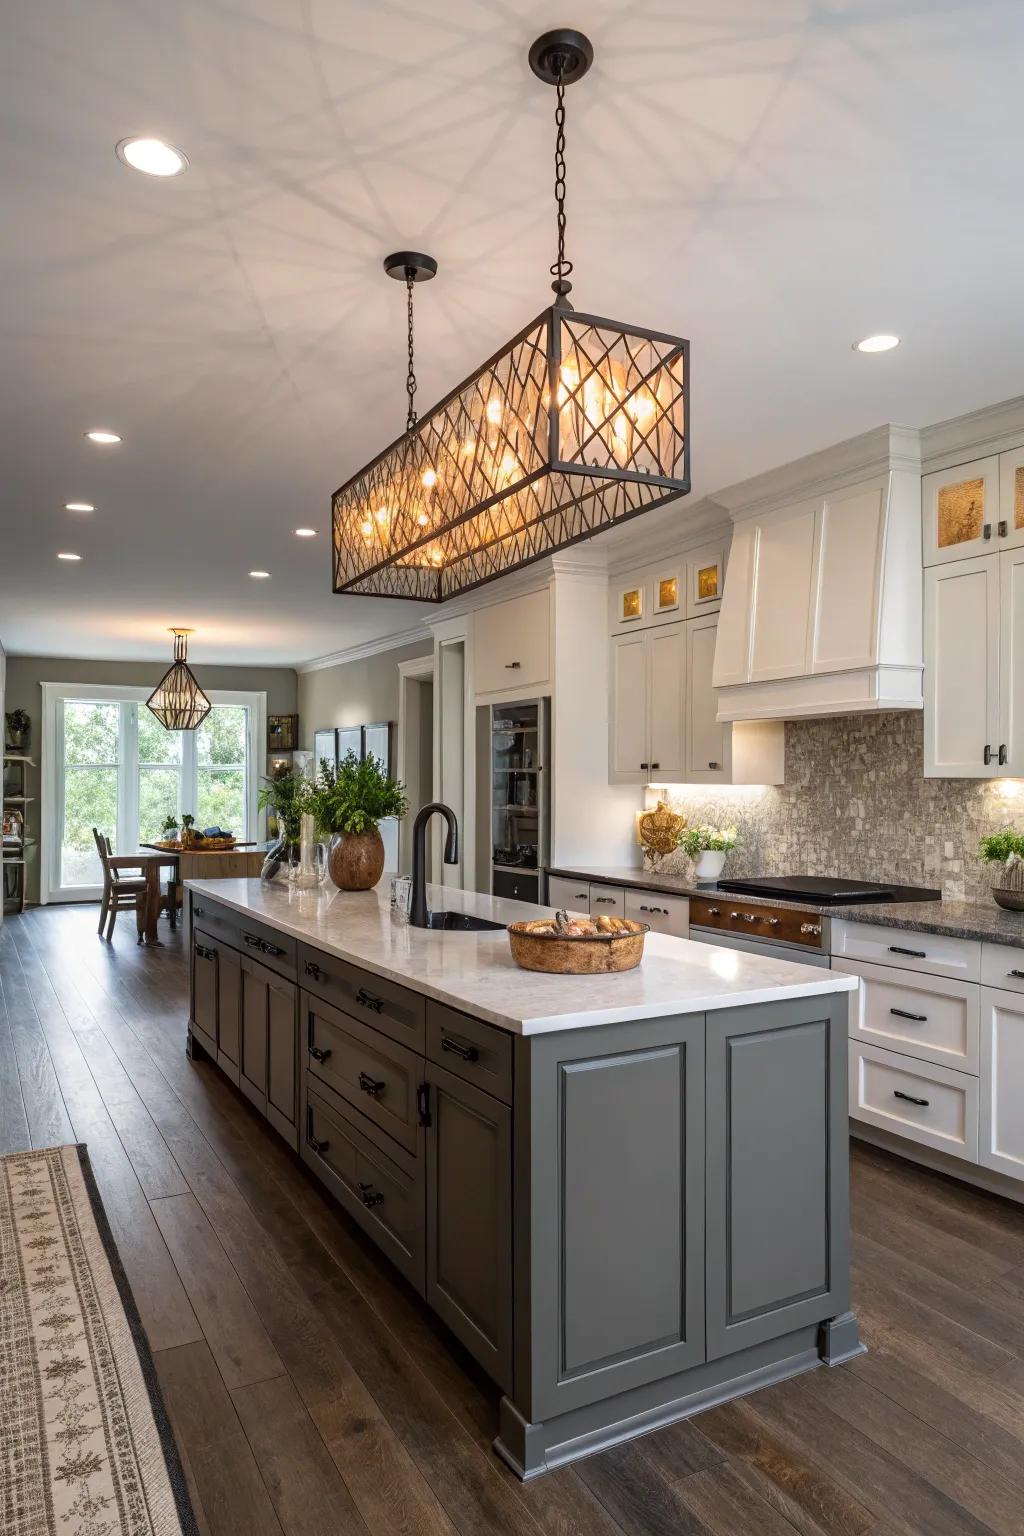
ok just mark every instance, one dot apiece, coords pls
pixel 475 972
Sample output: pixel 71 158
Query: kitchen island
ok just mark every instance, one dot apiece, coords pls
pixel 626 1195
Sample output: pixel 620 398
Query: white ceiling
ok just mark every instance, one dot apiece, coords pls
pixel 772 178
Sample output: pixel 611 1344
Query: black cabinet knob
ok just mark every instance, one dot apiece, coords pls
pixel 318 1054
pixel 312 969
pixel 368 1000
pixel 374 1086
pixel 317 1146
pixel 370 1196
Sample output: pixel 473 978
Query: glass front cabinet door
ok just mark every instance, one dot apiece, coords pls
pixel 974 508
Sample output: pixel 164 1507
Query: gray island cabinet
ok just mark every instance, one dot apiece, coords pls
pixel 627 1196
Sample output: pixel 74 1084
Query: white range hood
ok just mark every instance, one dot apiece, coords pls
pixel 821 612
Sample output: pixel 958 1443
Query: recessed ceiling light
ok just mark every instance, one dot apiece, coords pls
pixel 304 533
pixel 259 575
pixel 152 156
pixel 79 506
pixel 101 435
pixel 881 343
pixel 64 555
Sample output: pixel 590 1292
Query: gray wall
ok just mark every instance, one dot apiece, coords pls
pixel 856 802
pixel 25 674
pixel 354 692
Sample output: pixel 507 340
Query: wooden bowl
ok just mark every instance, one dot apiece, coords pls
pixel 577 955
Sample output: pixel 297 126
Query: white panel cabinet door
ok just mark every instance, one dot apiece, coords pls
pixel 666 703
pixel 783 575
pixel 628 748
pixel 1002 1082
pixel 961 669
pixel 960 511
pixel 732 645
pixel 1011 499
pixel 1010 751
pixel 708 743
pixel 850 550
pixel 512 644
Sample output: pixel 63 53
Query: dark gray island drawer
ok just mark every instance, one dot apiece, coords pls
pixel 375 1075
pixel 263 943
pixel 383 1196
pixel 477 1052
pixel 387 1006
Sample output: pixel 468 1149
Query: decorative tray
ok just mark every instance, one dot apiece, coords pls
pixel 201 845
pixel 578 946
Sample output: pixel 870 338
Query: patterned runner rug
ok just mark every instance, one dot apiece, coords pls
pixel 86 1448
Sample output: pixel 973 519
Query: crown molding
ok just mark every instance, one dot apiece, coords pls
pixel 705 520
pixel 367 648
pixel 872 453
pixel 989 430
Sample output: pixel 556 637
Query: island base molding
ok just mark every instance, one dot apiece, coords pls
pixel 532 1449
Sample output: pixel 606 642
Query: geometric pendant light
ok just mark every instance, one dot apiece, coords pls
pixel 575 425
pixel 177 700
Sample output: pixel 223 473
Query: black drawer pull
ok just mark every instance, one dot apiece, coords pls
pixel 252 941
pixel 915 1018
pixel 204 953
pixel 318 1146
pixel 270 949
pixel 367 1000
pixel 369 1196
pixel 317 1054
pixel 371 1085
pixel 1018 974
pixel 423 1103
pixel 605 901
pixel 915 954
pixel 512 666
pixel 456 1047
pixel 312 969
pixel 909 1097
pixel 197 910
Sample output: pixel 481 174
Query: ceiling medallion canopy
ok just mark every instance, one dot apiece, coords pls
pixel 575 425
pixel 177 700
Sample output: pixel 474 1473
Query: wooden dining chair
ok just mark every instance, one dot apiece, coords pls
pixel 118 892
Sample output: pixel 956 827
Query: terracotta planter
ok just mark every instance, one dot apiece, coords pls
pixel 355 860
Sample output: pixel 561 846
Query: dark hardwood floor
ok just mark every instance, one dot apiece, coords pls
pixel 313 1394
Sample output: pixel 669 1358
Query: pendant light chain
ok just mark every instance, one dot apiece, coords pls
pixel 561 267
pixel 410 378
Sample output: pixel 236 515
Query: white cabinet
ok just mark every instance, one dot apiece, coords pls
pixel 973 509
pixel 974 667
pixel 1001 1143
pixel 512 644
pixel 568 895
pixel 930 1017
pixel 781 595
pixel 915 1099
pixel 663 914
pixel 708 743
pixel 607 901
pixel 961 673
pixel 648 717
pixel 705 579
pixel 845 603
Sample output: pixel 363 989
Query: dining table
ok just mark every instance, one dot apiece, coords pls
pixel 152 859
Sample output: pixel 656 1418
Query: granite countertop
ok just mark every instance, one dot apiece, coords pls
pixel 476 973
pixel 960 919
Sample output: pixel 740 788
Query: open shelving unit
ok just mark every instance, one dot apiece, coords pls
pixel 15 842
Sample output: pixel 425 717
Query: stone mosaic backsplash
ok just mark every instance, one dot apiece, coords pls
pixel 855 803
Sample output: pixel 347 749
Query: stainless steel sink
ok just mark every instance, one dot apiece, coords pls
pixel 462 922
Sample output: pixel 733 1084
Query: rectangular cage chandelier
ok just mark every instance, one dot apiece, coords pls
pixel 576 425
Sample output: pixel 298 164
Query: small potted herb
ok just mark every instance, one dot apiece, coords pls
pixel 16 723
pixel 169 831
pixel 1005 850
pixel 347 803
pixel 188 831
pixel 708 846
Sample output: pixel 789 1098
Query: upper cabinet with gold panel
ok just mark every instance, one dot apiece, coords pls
pixel 705 578
pixel 974 508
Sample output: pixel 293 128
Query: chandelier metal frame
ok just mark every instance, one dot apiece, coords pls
pixel 182 706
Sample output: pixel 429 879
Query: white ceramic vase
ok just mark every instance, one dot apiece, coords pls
pixel 708 865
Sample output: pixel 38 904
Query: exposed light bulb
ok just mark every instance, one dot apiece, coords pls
pixel 422 519
pixel 494 411
pixel 366 528
pixel 429 478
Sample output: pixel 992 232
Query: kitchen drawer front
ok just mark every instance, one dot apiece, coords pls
pixel 935 953
pixel 607 901
pixel 930 1017
pixel 915 1099
pixel 391 1008
pixel 386 1199
pixel 259 940
pixel 666 914
pixel 516 885
pixel 375 1075
pixel 1002 966
pixel 471 1049
pixel 572 895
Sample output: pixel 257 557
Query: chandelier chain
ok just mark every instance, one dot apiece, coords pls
pixel 410 378
pixel 561 267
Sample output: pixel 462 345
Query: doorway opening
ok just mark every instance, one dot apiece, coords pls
pixel 415 748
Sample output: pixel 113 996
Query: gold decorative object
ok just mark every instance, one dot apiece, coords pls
pixel 633 603
pixel 961 512
pixel 659 830
pixel 668 593
pixel 707 582
pixel 1018 498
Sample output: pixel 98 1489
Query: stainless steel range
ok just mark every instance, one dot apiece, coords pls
pixel 788 919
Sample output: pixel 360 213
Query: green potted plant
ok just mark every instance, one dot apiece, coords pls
pixel 284 795
pixel 16 723
pixel 188 833
pixel 1005 850
pixel 169 830
pixel 347 803
pixel 708 846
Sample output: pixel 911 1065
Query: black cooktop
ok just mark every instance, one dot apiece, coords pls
pixel 826 892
